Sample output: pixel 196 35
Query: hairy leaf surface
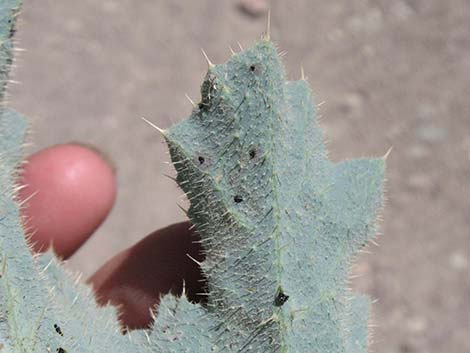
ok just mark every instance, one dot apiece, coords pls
pixel 279 222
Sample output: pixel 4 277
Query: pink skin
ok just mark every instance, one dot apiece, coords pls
pixel 75 189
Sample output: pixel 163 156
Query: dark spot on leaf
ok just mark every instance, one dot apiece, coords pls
pixel 252 153
pixel 201 160
pixel 280 298
pixel 255 68
pixel 58 330
pixel 61 350
pixel 237 198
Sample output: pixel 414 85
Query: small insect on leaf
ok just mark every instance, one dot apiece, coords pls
pixel 58 329
pixel 280 298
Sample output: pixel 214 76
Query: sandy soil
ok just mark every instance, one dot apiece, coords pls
pixel 393 72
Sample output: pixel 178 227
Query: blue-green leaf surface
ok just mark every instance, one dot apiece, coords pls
pixel 280 225
pixel 8 11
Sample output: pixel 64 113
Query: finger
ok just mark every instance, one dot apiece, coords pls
pixel 135 279
pixel 71 189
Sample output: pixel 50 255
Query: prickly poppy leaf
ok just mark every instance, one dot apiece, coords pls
pixel 279 222
pixel 280 225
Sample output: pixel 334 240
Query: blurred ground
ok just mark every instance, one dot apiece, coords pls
pixel 393 72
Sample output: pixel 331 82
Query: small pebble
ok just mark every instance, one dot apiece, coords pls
pixel 406 347
pixel 420 181
pixel 418 151
pixel 73 26
pixel 369 21
pixel 416 324
pixel 458 261
pixel 431 134
pixel 426 111
pixel 352 104
pixel 402 10
pixel 254 7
